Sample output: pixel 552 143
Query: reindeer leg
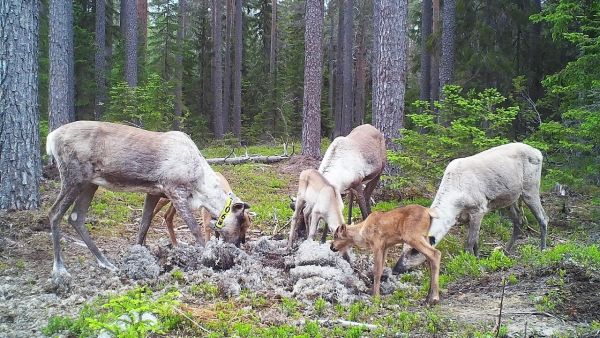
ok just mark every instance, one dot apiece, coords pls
pixel 149 204
pixel 314 224
pixel 350 202
pixel 169 215
pixel 296 219
pixel 161 204
pixel 77 220
pixel 364 210
pixel 472 245
pixel 180 202
pixel 532 200
pixel 369 192
pixel 377 270
pixel 516 216
pixel 434 257
pixel 61 278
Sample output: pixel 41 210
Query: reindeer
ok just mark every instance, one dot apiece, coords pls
pixel 89 154
pixel 352 164
pixel 383 230
pixel 206 217
pixel 472 186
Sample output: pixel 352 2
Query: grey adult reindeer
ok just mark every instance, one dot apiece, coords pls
pixel 472 186
pixel 89 154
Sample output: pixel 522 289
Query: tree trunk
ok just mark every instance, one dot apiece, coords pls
pixel 142 16
pixel 331 84
pixel 61 108
pixel 100 59
pixel 237 70
pixel 313 62
pixel 426 14
pixel 348 66
pixel 217 76
pixel 179 65
pixel 448 37
pixel 130 34
pixel 227 77
pixel 339 95
pixel 360 96
pixel 20 165
pixel 389 67
pixel 435 53
pixel 272 60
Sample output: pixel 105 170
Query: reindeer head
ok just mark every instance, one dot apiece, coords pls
pixel 341 239
pixel 234 224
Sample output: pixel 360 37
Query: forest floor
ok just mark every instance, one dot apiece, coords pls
pixel 264 290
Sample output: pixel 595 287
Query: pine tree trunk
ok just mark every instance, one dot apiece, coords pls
pixel 100 59
pixel 426 14
pixel 237 70
pixel 339 94
pixel 227 77
pixel 179 65
pixel 217 71
pixel 435 53
pixel 389 67
pixel 61 90
pixel 348 66
pixel 448 37
pixel 361 71
pixel 331 82
pixel 313 62
pixel 130 34
pixel 142 16
pixel 20 165
pixel 272 60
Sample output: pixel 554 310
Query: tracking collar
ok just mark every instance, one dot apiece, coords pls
pixel 225 211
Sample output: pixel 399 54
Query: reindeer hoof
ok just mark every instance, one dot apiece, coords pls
pixel 108 266
pixel 433 300
pixel 61 281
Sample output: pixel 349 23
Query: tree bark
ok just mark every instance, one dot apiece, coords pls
pixel 361 69
pixel 227 77
pixel 179 65
pixel 142 16
pixel 100 59
pixel 237 70
pixel 61 108
pixel 331 82
pixel 348 66
pixel 130 33
pixel 20 165
pixel 389 67
pixel 339 73
pixel 272 60
pixel 313 62
pixel 217 76
pixel 435 53
pixel 448 37
pixel 424 81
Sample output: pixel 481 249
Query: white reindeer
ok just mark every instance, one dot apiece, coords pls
pixel 473 186
pixel 352 164
pixel 89 154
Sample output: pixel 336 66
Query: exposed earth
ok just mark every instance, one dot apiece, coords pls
pixel 262 265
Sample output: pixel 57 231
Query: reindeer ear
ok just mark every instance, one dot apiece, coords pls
pixel 213 225
pixel 239 207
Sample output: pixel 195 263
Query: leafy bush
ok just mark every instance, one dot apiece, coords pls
pixel 462 125
pixel 111 314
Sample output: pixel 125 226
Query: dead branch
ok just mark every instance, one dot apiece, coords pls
pixel 246 159
pixel 191 320
pixel 501 305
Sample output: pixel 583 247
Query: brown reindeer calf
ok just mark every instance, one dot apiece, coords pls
pixel 206 218
pixel 383 230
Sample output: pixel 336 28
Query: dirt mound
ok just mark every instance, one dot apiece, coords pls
pixel 581 299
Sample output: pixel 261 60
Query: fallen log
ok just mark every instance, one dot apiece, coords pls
pixel 247 159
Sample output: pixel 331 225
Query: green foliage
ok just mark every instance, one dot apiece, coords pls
pixel 111 313
pixel 205 289
pixel 462 125
pixel 150 104
pixel 466 265
pixel 320 306
pixel 588 255
pixel 111 208
pixel 178 275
